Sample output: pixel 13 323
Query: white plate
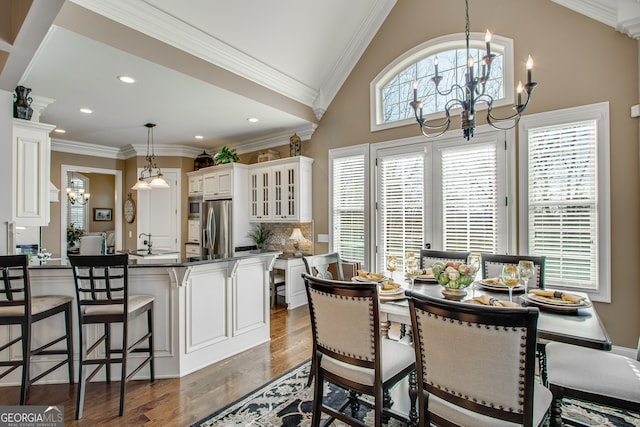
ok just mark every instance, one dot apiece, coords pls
pixel 392 292
pixel 561 302
pixel 527 298
pixel 492 286
pixel 364 279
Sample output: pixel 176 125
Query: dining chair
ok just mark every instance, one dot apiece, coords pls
pixel 598 376
pixel 476 364
pixel 19 307
pixel 428 257
pixel 324 266
pixel 103 299
pixel 349 349
pixel 492 266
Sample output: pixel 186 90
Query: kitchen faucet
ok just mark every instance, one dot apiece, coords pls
pixel 146 242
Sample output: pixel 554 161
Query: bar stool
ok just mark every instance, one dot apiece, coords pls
pixel 18 307
pixel 102 297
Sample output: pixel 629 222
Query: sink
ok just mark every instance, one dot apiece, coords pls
pixel 145 252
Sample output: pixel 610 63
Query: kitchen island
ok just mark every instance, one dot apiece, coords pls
pixel 204 311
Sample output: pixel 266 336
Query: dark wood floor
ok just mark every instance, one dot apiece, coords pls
pixel 184 401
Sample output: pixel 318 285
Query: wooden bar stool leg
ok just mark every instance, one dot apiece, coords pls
pixel 123 374
pixel 150 329
pixel 68 324
pixel 26 358
pixel 107 349
pixel 82 372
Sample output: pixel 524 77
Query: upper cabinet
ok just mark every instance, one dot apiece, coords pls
pixel 218 183
pixel 195 183
pixel 280 190
pixel 31 150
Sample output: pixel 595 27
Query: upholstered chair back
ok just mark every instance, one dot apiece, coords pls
pixel 492 266
pixel 323 265
pixel 428 257
pixel 475 357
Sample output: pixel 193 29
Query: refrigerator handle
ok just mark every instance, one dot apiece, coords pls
pixel 212 230
pixel 224 225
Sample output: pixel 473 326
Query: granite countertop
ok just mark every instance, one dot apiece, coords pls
pixel 181 262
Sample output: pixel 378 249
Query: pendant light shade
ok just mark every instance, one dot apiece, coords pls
pixel 150 171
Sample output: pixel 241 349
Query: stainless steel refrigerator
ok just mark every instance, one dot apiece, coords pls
pixel 217 229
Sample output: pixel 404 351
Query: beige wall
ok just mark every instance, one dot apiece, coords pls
pixel 577 61
pixel 103 188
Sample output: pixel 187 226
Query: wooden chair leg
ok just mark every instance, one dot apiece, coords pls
pixel 68 324
pixel 82 372
pixel 317 401
pixel 151 350
pixel 26 358
pixel 107 350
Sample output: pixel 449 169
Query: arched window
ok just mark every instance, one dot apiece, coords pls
pixel 392 89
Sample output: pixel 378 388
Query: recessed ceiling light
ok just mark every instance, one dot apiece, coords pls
pixel 58 130
pixel 253 120
pixel 126 79
pixel 199 137
pixel 86 110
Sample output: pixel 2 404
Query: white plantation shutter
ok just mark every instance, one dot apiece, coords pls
pixel 470 198
pixel 348 207
pixel 78 214
pixel 562 202
pixel 401 181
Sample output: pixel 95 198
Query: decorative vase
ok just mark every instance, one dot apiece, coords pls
pixel 22 103
pixel 454 294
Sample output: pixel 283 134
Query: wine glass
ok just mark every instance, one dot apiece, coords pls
pixel 413 268
pixel 526 271
pixel 392 263
pixel 510 278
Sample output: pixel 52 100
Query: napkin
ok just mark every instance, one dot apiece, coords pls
pixel 571 298
pixel 487 300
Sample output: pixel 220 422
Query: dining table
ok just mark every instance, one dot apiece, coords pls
pixel 580 326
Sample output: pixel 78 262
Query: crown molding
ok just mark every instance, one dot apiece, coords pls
pixel 85 149
pixel 623 15
pixel 127 152
pixel 156 23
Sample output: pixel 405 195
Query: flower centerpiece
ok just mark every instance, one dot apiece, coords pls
pixel 73 234
pixel 454 276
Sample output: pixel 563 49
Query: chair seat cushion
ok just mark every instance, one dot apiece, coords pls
pixel 395 357
pixel 593 371
pixel 39 304
pixel 541 401
pixel 135 302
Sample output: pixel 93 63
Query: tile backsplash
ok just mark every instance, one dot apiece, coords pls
pixel 280 241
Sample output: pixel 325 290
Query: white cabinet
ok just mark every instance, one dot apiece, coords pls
pixel 295 292
pixel 195 184
pixel 193 231
pixel 31 147
pixel 280 190
pixel 218 184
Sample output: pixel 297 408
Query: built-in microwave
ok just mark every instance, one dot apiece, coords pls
pixel 195 204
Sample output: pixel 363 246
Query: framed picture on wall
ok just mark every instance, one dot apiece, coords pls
pixel 102 214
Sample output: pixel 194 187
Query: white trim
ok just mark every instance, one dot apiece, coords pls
pixel 127 152
pixel 117 214
pixel 499 43
pixel 600 113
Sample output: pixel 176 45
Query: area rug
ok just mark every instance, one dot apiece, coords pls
pixel 287 401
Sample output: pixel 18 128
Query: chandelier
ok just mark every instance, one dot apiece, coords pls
pixel 75 195
pixel 471 94
pixel 150 171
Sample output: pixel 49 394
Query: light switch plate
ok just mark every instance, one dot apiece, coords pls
pixel 323 238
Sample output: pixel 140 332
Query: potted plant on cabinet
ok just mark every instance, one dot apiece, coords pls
pixel 260 235
pixel 226 155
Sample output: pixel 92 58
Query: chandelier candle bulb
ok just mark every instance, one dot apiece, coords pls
pixel 529 67
pixel 487 39
pixel 415 91
pixel 435 64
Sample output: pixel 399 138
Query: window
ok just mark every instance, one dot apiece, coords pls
pixel 449 193
pixel 401 220
pixel 564 215
pixel 77 215
pixel 392 89
pixel 348 188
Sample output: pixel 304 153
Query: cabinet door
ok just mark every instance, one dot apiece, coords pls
pixel 218 185
pixel 260 193
pixel 31 149
pixel 195 185
pixel 194 231
pixel 286 188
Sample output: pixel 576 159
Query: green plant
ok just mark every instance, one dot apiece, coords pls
pixel 74 233
pixel 260 235
pixel 226 155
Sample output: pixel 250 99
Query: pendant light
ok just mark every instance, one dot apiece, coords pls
pixel 150 171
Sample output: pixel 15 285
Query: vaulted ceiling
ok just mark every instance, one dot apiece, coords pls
pixel 202 67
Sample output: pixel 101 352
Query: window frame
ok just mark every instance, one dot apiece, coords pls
pixel 600 113
pixel 432 47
